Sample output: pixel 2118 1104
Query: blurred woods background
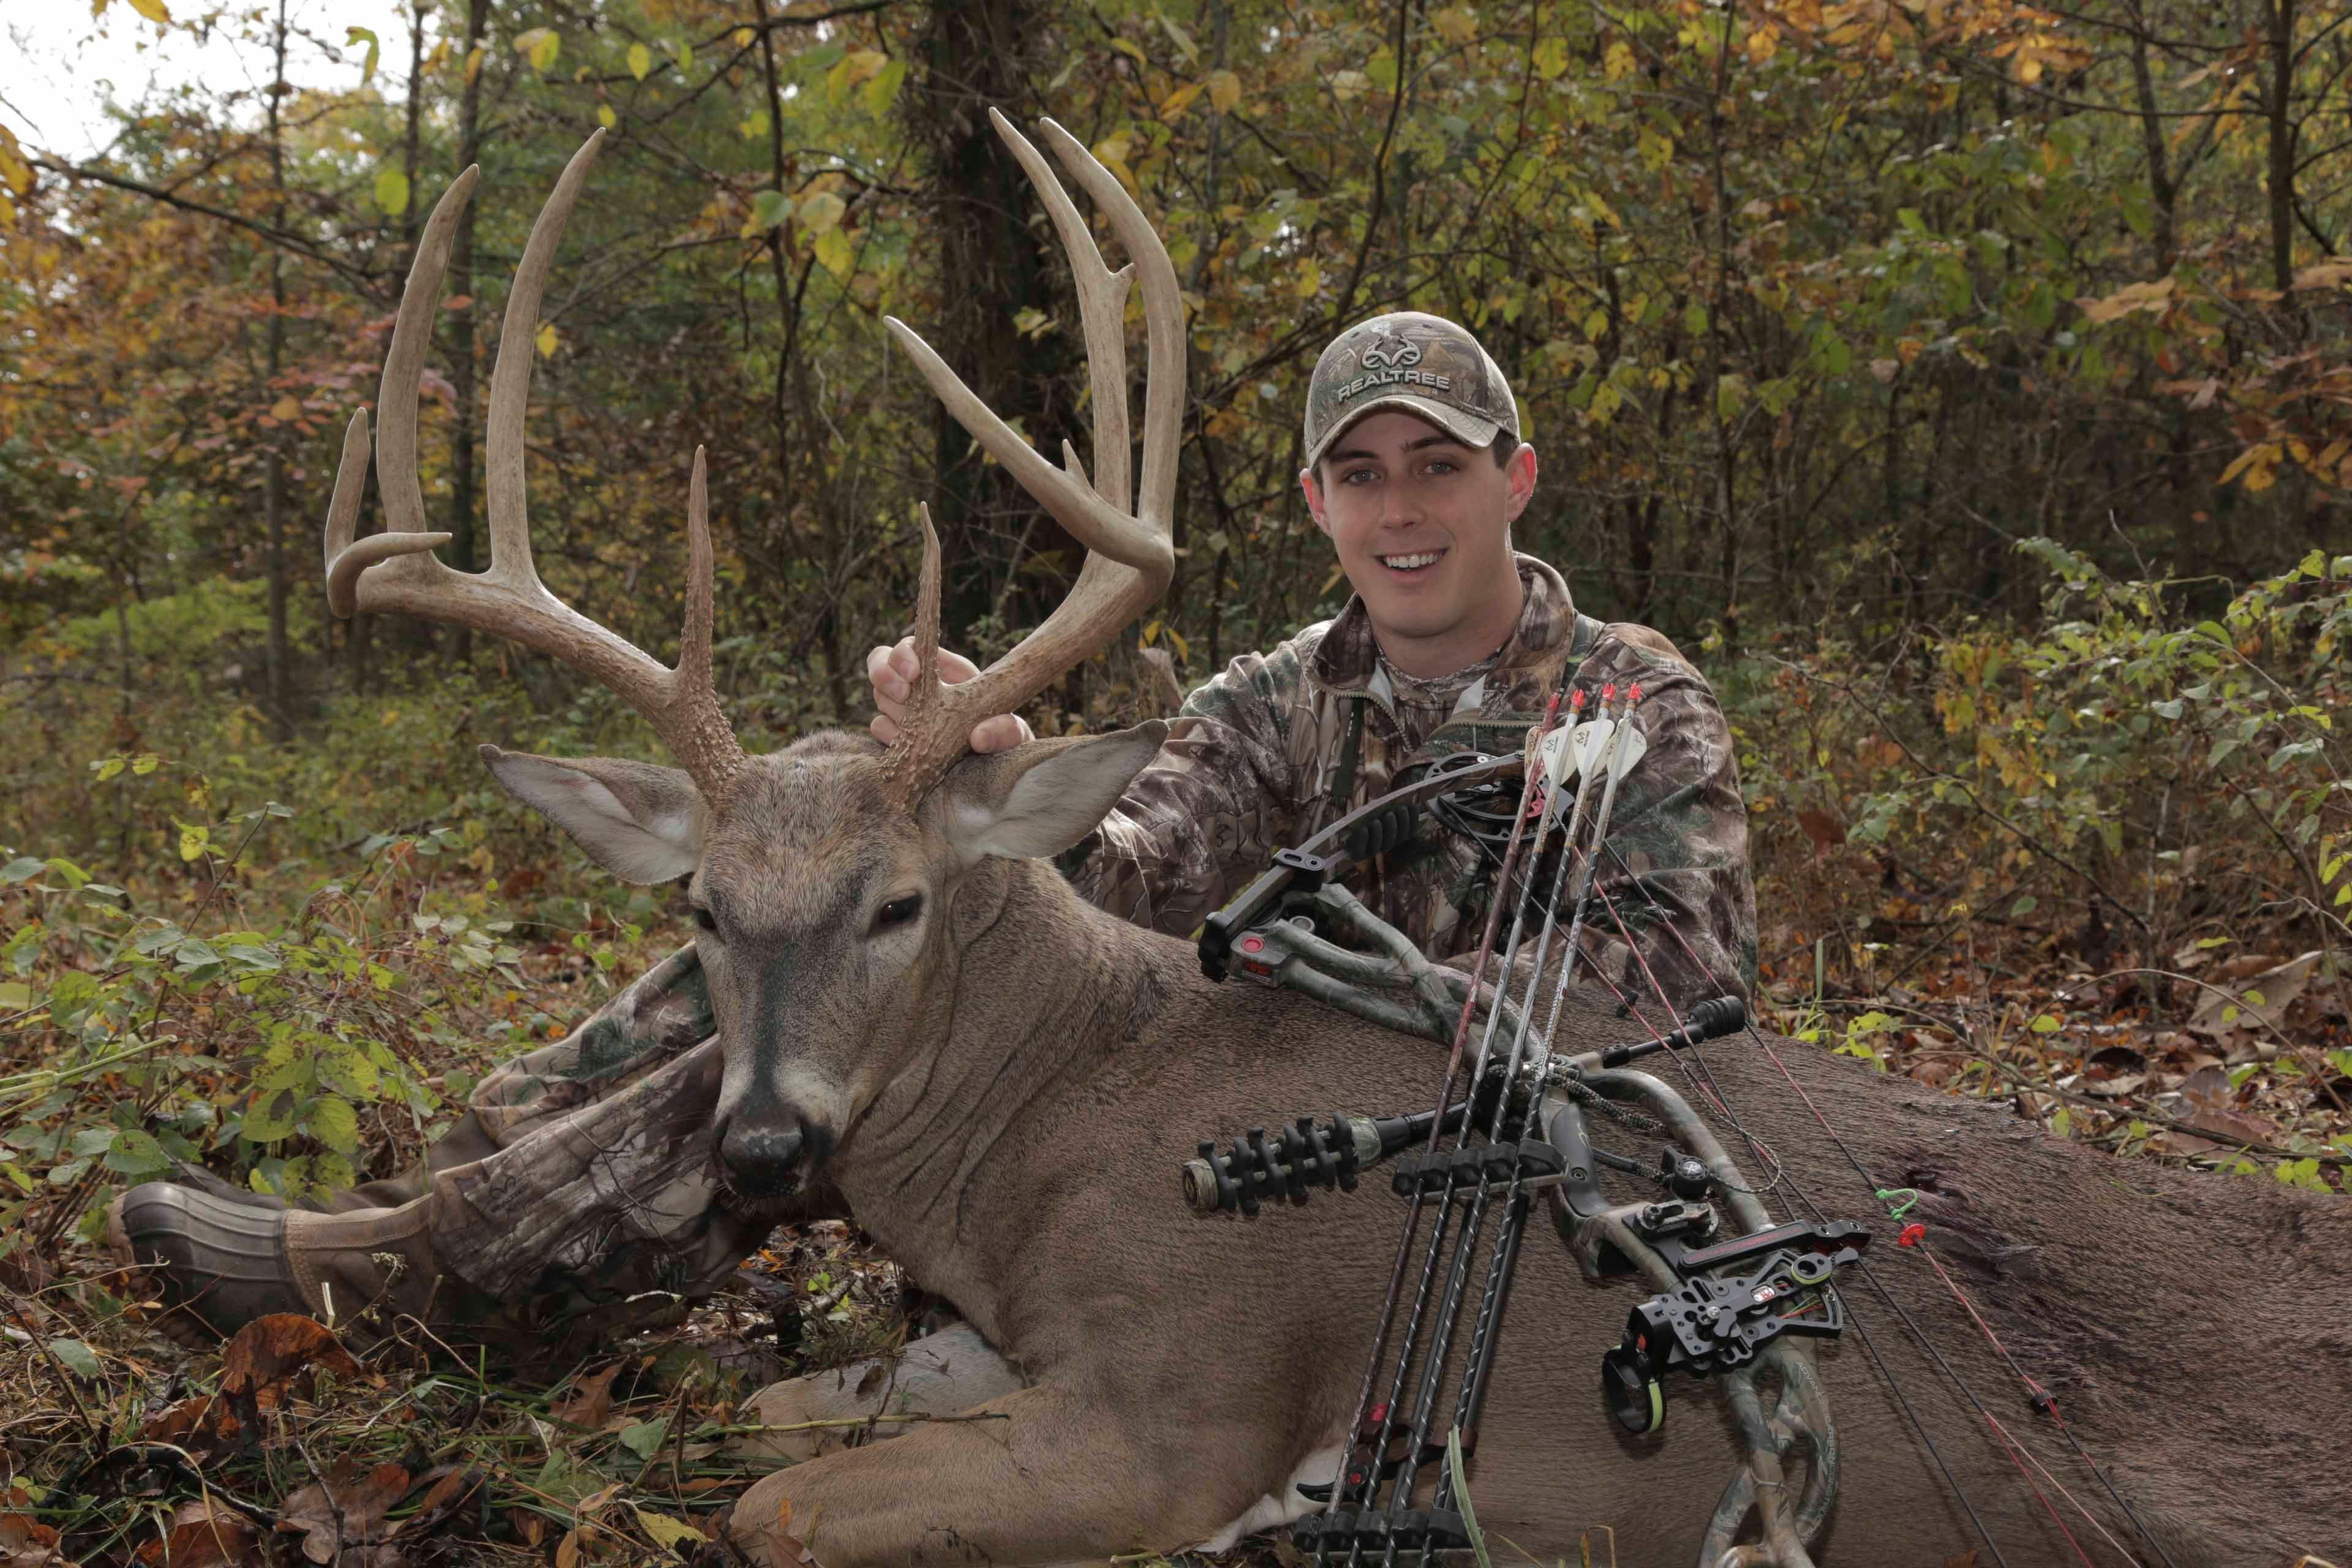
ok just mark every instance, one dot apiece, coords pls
pixel 1963 383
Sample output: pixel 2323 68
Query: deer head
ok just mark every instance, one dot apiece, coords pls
pixel 824 878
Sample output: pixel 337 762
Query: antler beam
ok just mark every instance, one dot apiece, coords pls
pixel 1130 555
pixel 395 572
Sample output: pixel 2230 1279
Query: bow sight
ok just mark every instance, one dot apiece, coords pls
pixel 1736 1294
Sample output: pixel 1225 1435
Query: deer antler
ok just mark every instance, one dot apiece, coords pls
pixel 1129 557
pixel 396 572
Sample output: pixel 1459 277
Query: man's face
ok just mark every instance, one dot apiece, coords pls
pixel 1422 525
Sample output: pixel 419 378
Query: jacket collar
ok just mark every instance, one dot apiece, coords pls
pixel 1347 662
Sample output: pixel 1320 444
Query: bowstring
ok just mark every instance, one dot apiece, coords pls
pixel 2039 1396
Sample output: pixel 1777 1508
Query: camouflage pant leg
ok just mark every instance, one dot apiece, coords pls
pixel 610 1200
pixel 587 1175
pixel 663 1012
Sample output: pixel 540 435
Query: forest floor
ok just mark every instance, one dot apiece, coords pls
pixel 124 1448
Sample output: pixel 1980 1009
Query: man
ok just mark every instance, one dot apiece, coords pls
pixel 581 1183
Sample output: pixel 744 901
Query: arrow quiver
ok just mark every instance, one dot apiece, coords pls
pixel 1736 1296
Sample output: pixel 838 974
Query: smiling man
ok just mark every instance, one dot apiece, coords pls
pixel 1415 471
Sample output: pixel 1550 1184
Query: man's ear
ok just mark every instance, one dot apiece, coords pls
pixel 1040 799
pixel 1520 468
pixel 1313 487
pixel 641 823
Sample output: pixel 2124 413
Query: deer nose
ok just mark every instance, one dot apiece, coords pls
pixel 763 1157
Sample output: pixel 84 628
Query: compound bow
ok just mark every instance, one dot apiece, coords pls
pixel 1737 1294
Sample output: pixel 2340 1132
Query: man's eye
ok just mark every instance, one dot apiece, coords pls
pixel 1441 467
pixel 897 911
pixel 1353 475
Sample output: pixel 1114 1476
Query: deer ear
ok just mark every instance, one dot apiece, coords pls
pixel 642 823
pixel 1040 799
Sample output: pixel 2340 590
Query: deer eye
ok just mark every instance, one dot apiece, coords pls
pixel 897 911
pixel 703 921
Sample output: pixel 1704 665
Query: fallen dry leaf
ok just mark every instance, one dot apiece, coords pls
pixel 447 1489
pixel 590 1401
pixel 205 1534
pixel 25 1542
pixel 364 1494
pixel 269 1352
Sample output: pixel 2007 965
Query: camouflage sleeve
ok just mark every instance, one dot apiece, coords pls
pixel 1210 810
pixel 1675 891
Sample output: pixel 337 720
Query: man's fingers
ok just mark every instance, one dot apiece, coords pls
pixel 890 689
pixel 954 669
pixel 1000 733
pixel 883 727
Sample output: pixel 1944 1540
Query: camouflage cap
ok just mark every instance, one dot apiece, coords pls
pixel 1421 363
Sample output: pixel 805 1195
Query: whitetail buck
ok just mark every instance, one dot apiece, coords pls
pixel 1004 1079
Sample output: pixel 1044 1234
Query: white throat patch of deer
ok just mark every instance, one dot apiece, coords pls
pixel 1003 1082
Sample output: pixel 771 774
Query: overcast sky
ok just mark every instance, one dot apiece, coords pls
pixel 65 67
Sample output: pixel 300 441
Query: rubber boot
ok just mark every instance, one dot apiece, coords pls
pixel 218 1265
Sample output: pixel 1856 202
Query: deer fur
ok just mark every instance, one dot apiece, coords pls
pixel 1004 1086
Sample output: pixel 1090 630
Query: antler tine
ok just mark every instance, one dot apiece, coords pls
pixel 1129 557
pixel 503 494
pixel 396 570
pixel 1102 316
pixel 404 363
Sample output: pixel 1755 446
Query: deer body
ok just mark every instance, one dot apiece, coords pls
pixel 1023 1162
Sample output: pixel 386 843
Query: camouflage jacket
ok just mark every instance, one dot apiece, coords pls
pixel 1281 744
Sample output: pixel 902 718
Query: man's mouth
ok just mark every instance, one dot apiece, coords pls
pixel 1413 563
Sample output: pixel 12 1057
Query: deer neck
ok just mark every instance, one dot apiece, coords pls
pixel 1040 992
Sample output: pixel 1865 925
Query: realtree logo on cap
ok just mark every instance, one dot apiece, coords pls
pixel 1390 348
pixel 1421 364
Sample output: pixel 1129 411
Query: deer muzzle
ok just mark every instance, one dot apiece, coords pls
pixel 767 1155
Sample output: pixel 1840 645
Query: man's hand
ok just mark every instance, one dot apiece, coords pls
pixel 892 671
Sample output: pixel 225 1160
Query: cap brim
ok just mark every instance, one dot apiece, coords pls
pixel 1467 428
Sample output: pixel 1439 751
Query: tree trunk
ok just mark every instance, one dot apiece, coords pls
pixel 273 482
pixel 2279 94
pixel 461 319
pixel 969 60
pixel 2161 189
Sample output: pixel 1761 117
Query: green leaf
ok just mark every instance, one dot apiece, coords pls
pixel 539 46
pixel 23 868
pixel 14 994
pixel 272 1116
pixel 1552 56
pixel 363 36
pixel 2024 906
pixel 392 192
pixel 641 61
pixel 136 1153
pixel 821 214
pixel 2045 1025
pixel 110 767
pixel 77 1358
pixel 769 208
pixel 645 1439
pixel 335 1123
pixel 834 254
pixel 883 91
